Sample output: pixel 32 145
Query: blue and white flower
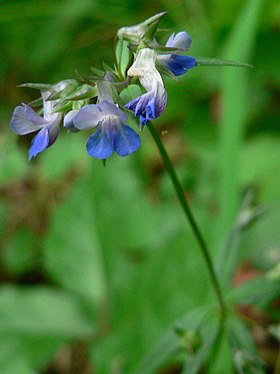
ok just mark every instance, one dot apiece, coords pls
pixel 25 121
pixel 111 135
pixel 178 64
pixel 151 104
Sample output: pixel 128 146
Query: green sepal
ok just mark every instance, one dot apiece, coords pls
pixel 64 108
pixel 84 92
pixel 108 68
pixel 154 19
pixel 135 33
pixel 36 102
pixel 166 50
pixel 163 70
pixel 98 72
pixel 204 61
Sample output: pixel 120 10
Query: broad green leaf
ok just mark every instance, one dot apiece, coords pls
pixel 14 163
pixel 35 321
pixel 67 157
pixel 19 253
pixel 73 255
pixel 130 93
pixel 43 312
pixel 20 355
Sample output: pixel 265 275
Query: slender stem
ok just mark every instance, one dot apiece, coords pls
pixel 185 206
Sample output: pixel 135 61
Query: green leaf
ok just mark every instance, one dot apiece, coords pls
pixel 37 86
pixel 123 56
pixel 70 88
pixel 34 322
pixel 258 292
pixel 72 249
pixel 162 49
pixel 85 93
pixel 14 163
pixel 204 61
pixel 210 330
pixel 19 253
pixel 130 93
pixel 42 312
pixel 20 355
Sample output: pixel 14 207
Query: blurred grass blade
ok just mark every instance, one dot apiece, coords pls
pixel 235 103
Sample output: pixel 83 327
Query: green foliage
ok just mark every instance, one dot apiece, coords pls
pixel 100 256
pixel 35 321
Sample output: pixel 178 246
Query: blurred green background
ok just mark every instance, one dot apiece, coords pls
pixel 96 263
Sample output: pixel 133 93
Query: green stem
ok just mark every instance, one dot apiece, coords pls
pixel 185 206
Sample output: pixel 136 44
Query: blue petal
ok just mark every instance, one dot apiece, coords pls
pixel 182 40
pixel 151 109
pixel 39 142
pixel 21 122
pixel 178 65
pixel 110 108
pixel 147 106
pixel 99 145
pixel 138 105
pixel 54 129
pixel 33 116
pixel 88 117
pixel 68 120
pixel 126 141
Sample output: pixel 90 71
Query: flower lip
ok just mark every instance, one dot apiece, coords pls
pixel 91 115
pixel 178 64
pixel 25 121
pixel 151 104
pixel 111 135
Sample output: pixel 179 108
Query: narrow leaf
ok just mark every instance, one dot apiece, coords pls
pixel 203 61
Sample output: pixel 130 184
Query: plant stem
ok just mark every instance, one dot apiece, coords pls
pixel 185 206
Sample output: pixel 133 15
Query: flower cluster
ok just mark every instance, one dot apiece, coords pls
pixel 106 103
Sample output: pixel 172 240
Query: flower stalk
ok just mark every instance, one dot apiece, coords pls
pixel 189 215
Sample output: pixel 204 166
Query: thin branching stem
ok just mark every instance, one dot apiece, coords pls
pixel 189 215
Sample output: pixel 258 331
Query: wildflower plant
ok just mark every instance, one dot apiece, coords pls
pixel 114 106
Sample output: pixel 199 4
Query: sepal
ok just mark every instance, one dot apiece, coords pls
pixel 135 33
